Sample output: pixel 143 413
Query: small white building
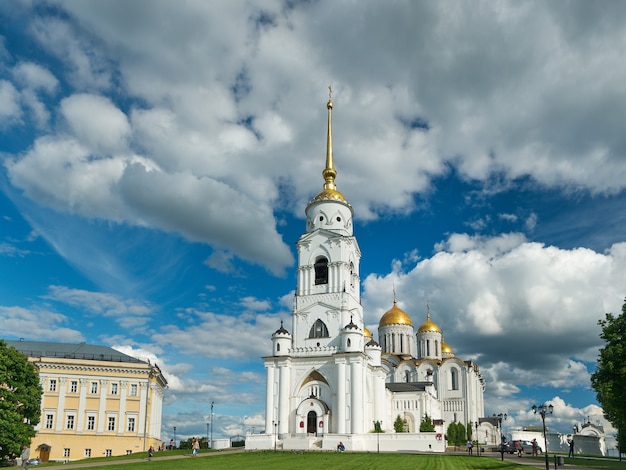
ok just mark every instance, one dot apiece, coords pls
pixel 329 381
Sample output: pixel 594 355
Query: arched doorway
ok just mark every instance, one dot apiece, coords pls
pixel 311 422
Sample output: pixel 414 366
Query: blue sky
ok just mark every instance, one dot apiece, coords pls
pixel 157 158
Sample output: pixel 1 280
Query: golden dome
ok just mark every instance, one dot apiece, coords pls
pixel 395 316
pixel 428 326
pixel 367 333
pixel 446 349
pixel 327 194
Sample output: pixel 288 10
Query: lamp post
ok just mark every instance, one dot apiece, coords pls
pixel 207 435
pixel 499 417
pixel 543 409
pixel 477 445
pixel 377 430
pixel 211 441
pixel 275 423
pixel 174 437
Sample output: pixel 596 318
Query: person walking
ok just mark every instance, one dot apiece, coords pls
pixel 469 447
pixel 195 446
pixel 571 448
pixel 25 457
pixel 150 452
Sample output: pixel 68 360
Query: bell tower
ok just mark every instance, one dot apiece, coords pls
pixel 328 283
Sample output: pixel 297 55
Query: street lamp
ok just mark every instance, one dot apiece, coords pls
pixel 207 435
pixel 174 437
pixel 211 441
pixel 543 409
pixel 477 445
pixel 378 429
pixel 499 418
pixel 275 423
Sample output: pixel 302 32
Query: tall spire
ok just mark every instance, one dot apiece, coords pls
pixel 329 192
pixel 329 172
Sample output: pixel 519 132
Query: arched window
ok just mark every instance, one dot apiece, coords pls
pixel 349 342
pixel 321 270
pixel 454 377
pixel 319 330
pixel 407 376
pixel 352 274
pixel 278 347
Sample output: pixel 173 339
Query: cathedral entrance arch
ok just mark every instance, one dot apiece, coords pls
pixel 313 417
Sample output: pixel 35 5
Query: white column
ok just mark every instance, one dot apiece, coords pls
pixel 102 417
pixel 61 405
pixel 80 425
pixel 356 392
pixel 379 395
pixel 283 398
pixel 269 399
pixel 153 411
pixel 341 396
pixel 121 427
pixel 143 400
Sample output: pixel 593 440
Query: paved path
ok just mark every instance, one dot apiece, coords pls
pixel 538 463
pixel 159 457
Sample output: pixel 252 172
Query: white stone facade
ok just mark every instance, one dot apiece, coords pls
pixel 329 381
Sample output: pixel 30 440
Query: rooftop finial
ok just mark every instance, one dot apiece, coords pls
pixel 427 310
pixel 329 172
pixel 394 293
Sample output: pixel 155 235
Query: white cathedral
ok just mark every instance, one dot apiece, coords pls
pixel 329 381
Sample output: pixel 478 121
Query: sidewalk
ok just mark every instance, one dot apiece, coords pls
pixel 535 461
pixel 158 458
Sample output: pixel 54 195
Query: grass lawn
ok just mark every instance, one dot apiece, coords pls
pixel 309 460
pixel 320 460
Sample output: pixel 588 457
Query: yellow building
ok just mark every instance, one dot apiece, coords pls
pixel 96 401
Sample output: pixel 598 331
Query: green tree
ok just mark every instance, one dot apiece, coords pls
pixel 20 400
pixel 427 424
pixel 609 379
pixel 398 424
pixel 456 434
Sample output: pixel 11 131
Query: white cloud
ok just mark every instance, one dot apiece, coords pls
pixel 10 109
pixel 127 313
pixel 86 67
pixel 36 324
pixel 511 303
pixel 96 122
pixel 35 77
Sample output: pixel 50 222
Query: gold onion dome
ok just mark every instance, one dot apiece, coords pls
pixel 330 189
pixel 429 326
pixel 395 316
pixel 367 333
pixel 445 348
